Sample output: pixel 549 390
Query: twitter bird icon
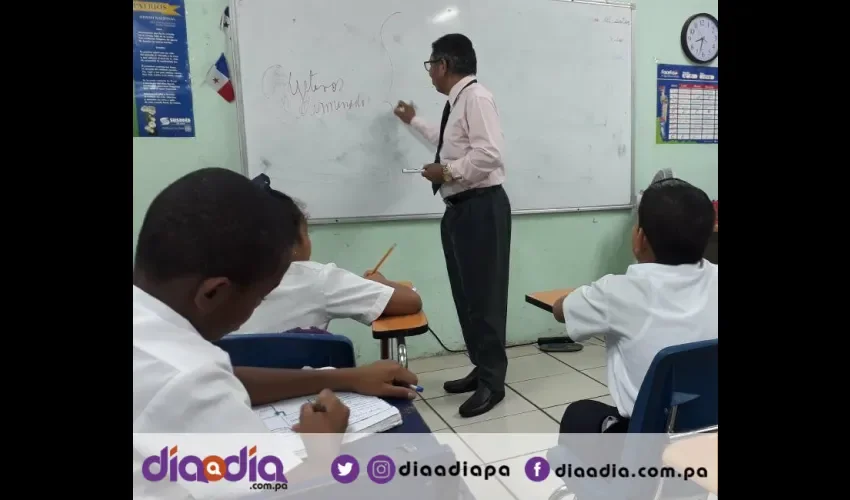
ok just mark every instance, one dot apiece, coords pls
pixel 345 469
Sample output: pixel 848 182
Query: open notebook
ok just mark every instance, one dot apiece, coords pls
pixel 368 415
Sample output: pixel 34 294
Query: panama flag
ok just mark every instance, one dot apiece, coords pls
pixel 219 78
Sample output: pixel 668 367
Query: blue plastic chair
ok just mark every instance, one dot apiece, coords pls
pixel 678 396
pixel 289 350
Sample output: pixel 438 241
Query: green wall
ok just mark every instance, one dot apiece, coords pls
pixel 548 251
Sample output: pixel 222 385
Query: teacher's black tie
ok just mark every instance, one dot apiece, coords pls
pixel 446 110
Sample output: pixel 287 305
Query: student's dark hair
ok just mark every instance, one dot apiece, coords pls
pixel 214 222
pixel 677 219
pixel 292 207
pixel 457 51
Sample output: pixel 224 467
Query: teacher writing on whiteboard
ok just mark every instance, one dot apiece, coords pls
pixel 476 227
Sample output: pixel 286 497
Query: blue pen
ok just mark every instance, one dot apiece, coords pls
pixel 416 388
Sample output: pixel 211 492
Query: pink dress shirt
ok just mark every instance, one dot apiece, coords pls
pixel 473 140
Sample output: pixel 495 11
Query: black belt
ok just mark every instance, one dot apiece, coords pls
pixel 461 197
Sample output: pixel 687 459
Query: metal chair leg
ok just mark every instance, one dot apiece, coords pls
pixel 402 352
pixel 385 349
pixel 560 493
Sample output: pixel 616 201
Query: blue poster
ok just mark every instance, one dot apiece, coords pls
pixel 686 105
pixel 162 92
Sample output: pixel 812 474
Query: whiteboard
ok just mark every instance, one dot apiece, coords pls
pixel 316 81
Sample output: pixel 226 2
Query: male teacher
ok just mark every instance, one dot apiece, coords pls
pixel 476 227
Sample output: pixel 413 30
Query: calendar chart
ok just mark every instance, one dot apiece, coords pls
pixel 686 105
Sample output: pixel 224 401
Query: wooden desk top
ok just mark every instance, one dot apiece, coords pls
pixel 545 300
pixel 698 451
pixel 412 324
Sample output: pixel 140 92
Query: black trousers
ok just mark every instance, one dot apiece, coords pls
pixel 586 417
pixel 476 234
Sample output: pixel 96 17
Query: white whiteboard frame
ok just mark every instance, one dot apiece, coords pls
pixel 235 79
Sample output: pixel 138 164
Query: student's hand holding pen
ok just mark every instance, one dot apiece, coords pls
pixel 322 426
pixel 375 276
pixel 325 415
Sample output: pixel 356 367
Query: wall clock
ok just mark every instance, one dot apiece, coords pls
pixel 699 38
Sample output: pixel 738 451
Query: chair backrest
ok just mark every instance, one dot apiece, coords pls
pixel 288 350
pixel 681 381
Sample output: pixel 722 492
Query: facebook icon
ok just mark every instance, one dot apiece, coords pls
pixel 537 469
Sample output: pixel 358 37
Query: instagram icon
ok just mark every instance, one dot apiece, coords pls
pixel 381 469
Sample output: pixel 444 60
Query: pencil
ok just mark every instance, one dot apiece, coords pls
pixel 381 262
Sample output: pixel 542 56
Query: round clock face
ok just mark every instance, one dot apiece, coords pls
pixel 699 38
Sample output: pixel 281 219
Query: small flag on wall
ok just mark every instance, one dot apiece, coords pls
pixel 219 78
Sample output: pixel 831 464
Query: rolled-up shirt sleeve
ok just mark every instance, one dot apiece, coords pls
pixel 586 311
pixel 485 141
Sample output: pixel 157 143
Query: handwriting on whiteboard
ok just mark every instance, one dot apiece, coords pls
pixel 321 108
pixel 311 95
pixel 613 20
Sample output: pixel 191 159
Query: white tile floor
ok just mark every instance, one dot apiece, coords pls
pixel 540 387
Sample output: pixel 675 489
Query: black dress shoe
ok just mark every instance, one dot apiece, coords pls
pixel 481 402
pixel 465 384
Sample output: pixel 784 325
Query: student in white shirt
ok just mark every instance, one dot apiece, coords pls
pixel 311 294
pixel 211 247
pixel 668 298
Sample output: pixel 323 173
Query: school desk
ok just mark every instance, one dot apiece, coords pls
pixel 395 328
pixel 546 300
pixel 694 452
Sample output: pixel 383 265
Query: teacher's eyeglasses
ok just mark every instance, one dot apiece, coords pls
pixel 428 64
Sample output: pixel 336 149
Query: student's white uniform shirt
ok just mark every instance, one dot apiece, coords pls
pixel 181 384
pixel 312 294
pixel 651 307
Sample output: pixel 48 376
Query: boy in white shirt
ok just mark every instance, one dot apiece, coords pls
pixel 212 245
pixel 668 298
pixel 311 294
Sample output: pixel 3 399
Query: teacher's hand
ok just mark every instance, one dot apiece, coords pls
pixel 433 172
pixel 404 111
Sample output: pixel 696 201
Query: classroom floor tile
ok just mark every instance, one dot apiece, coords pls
pixel 436 363
pixel 462 451
pixel 521 487
pixel 557 412
pixel 447 408
pixel 592 356
pixel 533 367
pixel 517 438
pixel 525 350
pixel 599 374
pixel 606 399
pixel 432 420
pixel 539 388
pixel 560 389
